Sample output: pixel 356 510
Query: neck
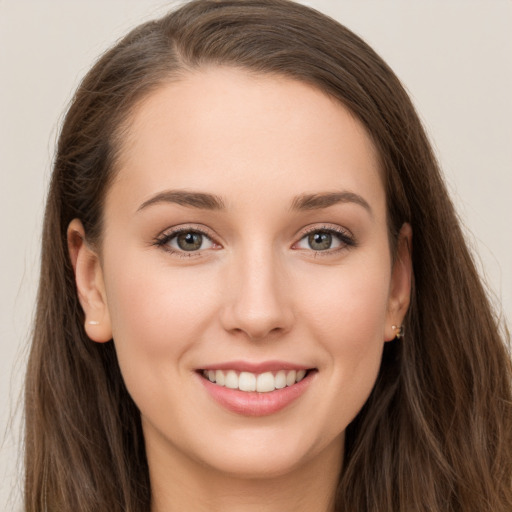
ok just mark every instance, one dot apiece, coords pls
pixel 178 483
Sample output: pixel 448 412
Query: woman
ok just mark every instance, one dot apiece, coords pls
pixel 255 293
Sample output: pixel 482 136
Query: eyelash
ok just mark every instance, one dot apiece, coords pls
pixel 344 237
pixel 164 239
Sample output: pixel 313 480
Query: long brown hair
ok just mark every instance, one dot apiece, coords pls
pixel 435 434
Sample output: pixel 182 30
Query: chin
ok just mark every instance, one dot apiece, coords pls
pixel 258 455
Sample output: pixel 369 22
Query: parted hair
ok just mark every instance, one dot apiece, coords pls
pixel 436 432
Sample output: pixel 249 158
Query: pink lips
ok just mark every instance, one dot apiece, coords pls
pixel 253 403
pixel 245 366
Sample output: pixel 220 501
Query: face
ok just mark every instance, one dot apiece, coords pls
pixel 245 272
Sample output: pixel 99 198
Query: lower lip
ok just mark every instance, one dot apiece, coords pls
pixel 252 403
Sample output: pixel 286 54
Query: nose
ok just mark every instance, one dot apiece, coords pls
pixel 257 301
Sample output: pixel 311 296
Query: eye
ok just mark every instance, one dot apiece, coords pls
pixel 190 241
pixel 324 240
pixel 185 240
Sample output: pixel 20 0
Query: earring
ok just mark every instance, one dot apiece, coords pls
pixel 93 322
pixel 399 331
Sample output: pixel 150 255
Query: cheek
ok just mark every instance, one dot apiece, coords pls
pixel 348 322
pixel 346 314
pixel 349 305
pixel 157 314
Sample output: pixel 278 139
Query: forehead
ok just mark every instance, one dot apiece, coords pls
pixel 223 126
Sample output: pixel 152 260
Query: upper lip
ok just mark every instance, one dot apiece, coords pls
pixel 256 367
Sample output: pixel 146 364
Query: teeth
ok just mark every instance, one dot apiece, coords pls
pixel 231 380
pixel 247 381
pixel 290 377
pixel 265 382
pixel 219 377
pixel 280 380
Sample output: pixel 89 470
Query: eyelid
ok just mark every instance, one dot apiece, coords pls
pixel 343 234
pixel 163 238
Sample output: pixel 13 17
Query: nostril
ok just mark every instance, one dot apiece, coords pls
pixel 257 309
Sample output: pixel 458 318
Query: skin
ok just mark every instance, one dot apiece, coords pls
pixel 256 291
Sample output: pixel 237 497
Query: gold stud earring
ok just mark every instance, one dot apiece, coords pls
pixel 399 331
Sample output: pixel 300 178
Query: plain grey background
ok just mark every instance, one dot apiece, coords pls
pixel 454 57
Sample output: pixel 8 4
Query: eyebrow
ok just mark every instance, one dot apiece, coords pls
pixel 324 200
pixel 303 202
pixel 198 200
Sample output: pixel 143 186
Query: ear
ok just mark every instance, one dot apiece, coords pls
pixel 89 283
pixel 401 279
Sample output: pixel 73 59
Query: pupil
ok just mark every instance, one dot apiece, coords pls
pixel 190 241
pixel 320 241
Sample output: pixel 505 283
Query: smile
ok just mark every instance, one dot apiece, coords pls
pixel 256 390
pixel 248 381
